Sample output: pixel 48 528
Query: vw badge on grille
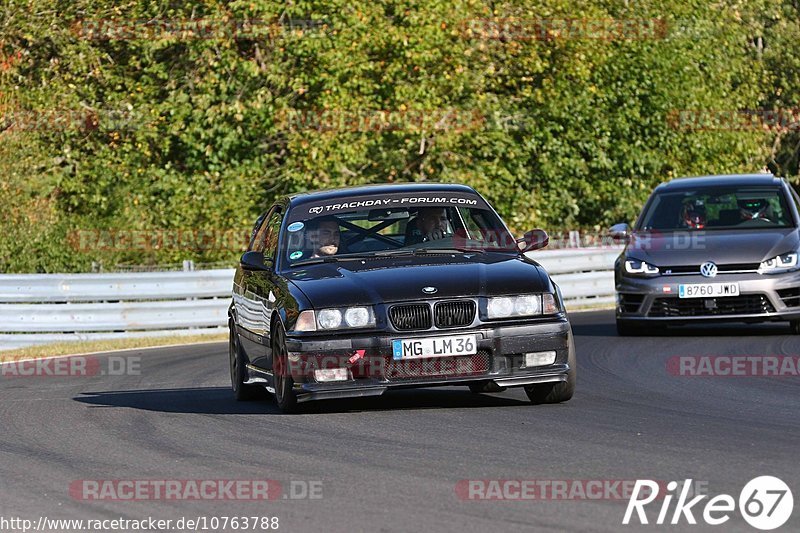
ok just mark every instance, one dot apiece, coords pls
pixel 708 269
pixel 429 290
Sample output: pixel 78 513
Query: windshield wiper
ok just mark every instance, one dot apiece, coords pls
pixel 331 259
pixel 317 260
pixel 448 250
pixel 423 251
pixel 387 253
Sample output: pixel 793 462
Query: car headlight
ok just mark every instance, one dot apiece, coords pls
pixel 779 263
pixel 346 317
pixel 335 318
pixel 306 321
pixel 635 267
pixel 329 318
pixel 358 317
pixel 519 306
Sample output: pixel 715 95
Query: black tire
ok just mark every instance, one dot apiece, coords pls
pixel 556 392
pixel 794 327
pixel 241 391
pixel 284 384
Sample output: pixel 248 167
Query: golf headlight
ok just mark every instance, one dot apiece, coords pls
pixel 640 268
pixel 779 263
pixel 519 306
pixel 346 317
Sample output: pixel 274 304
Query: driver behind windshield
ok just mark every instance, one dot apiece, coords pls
pixel 429 225
pixel 322 236
pixel 693 215
pixel 753 209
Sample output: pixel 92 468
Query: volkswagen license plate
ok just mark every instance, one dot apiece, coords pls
pixel 708 290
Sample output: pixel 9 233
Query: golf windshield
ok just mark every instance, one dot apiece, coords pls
pixel 718 208
pixel 357 227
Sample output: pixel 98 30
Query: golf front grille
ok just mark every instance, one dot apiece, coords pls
pixel 431 367
pixel 790 297
pixel 744 304
pixel 630 303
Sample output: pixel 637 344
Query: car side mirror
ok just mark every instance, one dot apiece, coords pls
pixel 620 231
pixel 256 261
pixel 534 240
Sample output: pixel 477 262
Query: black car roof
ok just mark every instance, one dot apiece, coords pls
pixel 728 180
pixel 385 188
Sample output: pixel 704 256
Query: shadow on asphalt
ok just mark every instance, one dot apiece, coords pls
pixel 717 330
pixel 219 400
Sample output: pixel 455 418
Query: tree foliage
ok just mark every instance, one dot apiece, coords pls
pixel 172 129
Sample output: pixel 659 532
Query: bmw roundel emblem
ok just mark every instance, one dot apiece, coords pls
pixel 708 269
pixel 429 290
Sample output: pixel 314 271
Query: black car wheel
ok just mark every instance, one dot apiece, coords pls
pixel 794 326
pixel 556 392
pixel 241 391
pixel 284 384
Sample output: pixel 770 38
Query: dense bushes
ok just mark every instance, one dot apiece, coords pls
pixel 124 119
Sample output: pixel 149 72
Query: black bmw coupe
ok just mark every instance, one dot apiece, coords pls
pixel 351 292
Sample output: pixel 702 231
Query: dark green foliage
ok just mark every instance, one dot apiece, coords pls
pixel 174 132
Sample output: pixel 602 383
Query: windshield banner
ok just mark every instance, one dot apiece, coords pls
pixel 386 201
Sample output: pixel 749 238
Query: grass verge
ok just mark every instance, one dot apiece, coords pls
pixel 85 347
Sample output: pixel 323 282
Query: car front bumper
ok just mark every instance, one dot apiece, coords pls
pixel 372 369
pixel 762 298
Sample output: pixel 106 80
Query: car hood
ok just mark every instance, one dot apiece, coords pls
pixel 721 246
pixel 402 279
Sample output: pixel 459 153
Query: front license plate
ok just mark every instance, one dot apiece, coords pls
pixel 708 290
pixel 434 347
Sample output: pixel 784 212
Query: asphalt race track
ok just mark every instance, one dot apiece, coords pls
pixel 393 463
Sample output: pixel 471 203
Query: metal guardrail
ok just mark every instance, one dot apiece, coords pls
pixel 585 275
pixel 39 288
pixel 47 308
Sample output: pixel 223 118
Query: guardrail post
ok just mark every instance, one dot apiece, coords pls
pixel 574 239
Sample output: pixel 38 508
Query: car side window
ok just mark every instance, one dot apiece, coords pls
pixel 273 230
pixel 256 227
pixel 795 197
pixel 259 233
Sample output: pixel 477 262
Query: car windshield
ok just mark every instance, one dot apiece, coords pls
pixel 718 208
pixel 396 224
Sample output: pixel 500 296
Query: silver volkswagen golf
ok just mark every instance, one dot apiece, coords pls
pixel 712 248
